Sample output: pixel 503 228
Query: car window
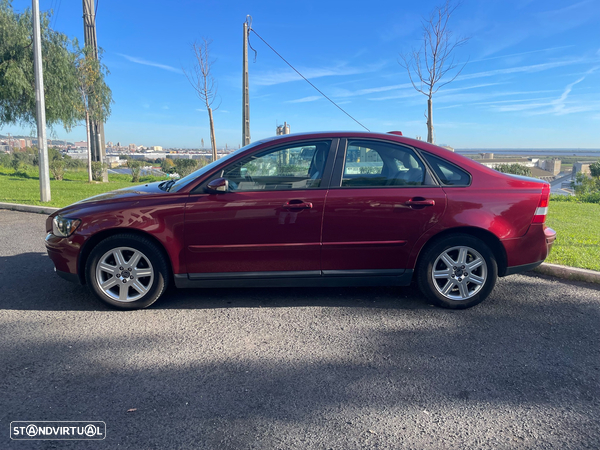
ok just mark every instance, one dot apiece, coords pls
pixel 370 163
pixel 282 168
pixel 182 182
pixel 448 173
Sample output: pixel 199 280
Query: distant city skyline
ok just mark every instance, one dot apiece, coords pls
pixel 531 80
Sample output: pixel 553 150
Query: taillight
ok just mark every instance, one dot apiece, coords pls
pixel 542 209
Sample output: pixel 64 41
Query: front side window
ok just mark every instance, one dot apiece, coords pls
pixel 370 163
pixel 282 168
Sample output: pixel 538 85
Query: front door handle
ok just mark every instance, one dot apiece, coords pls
pixel 297 204
pixel 421 202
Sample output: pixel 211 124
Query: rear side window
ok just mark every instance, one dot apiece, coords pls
pixel 381 164
pixel 448 173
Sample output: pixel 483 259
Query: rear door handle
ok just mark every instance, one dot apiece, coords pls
pixel 297 204
pixel 423 202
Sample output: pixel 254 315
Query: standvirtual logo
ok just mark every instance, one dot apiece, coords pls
pixel 58 430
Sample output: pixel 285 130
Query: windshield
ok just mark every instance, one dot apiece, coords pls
pixel 180 183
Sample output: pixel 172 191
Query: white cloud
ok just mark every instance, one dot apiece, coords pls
pixel 149 63
pixel 521 69
pixel 512 55
pixel 311 98
pixel 287 75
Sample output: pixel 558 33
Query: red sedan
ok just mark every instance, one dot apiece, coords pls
pixel 315 209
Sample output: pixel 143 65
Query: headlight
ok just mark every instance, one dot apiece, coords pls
pixel 63 227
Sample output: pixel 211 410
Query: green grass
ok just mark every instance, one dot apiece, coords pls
pixel 577 227
pixel 74 187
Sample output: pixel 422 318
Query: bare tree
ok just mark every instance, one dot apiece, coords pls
pixel 428 66
pixel 204 84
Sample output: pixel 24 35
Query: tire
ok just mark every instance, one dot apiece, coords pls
pixel 127 271
pixel 457 271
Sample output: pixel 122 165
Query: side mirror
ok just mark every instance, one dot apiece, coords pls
pixel 218 186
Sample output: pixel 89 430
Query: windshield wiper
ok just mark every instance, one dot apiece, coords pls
pixel 166 185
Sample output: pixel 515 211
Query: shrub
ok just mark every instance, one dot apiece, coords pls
pixel 515 169
pixel 136 168
pixel 57 167
pixel 22 158
pixel 97 169
pixel 5 160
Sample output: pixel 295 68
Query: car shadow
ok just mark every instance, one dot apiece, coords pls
pixel 30 283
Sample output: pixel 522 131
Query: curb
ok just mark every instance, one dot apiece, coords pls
pixel 555 270
pixel 28 208
pixel 569 273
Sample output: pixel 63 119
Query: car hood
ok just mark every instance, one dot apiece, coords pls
pixel 125 193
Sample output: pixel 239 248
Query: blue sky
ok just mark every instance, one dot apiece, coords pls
pixel 532 77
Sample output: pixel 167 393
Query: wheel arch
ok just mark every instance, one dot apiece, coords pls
pixel 100 236
pixel 488 238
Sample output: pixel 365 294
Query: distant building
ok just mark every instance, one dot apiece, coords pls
pixel 156 148
pixel 581 166
pixel 283 129
pixel 132 147
pixel 80 144
pixel 551 165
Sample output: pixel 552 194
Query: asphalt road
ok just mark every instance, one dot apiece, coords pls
pixel 297 368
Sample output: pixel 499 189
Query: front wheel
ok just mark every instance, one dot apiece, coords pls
pixel 457 272
pixel 127 271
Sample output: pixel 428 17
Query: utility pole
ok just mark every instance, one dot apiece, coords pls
pixel 246 97
pixel 40 105
pixel 96 127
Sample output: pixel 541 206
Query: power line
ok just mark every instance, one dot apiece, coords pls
pixel 305 79
pixel 55 18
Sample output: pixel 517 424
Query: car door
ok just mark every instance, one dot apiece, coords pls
pixel 381 200
pixel 269 222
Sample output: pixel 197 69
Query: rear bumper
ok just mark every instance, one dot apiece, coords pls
pixel 529 251
pixel 523 268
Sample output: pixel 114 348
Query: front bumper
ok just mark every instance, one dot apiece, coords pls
pixel 64 253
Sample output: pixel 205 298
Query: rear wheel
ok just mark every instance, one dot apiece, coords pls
pixel 127 271
pixel 458 271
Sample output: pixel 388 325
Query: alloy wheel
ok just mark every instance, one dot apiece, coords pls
pixel 459 273
pixel 124 274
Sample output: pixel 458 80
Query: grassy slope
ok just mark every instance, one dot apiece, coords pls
pixel 15 189
pixel 578 234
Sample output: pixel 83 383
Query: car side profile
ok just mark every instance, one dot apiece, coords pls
pixel 313 209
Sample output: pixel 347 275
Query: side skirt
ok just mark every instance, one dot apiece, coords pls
pixel 336 278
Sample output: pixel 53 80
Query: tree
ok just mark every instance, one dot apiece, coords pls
pixel 167 165
pixel 185 166
pixel 428 65
pixel 584 185
pixel 95 96
pixel 515 169
pixel 595 169
pixel 17 80
pixel 204 84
